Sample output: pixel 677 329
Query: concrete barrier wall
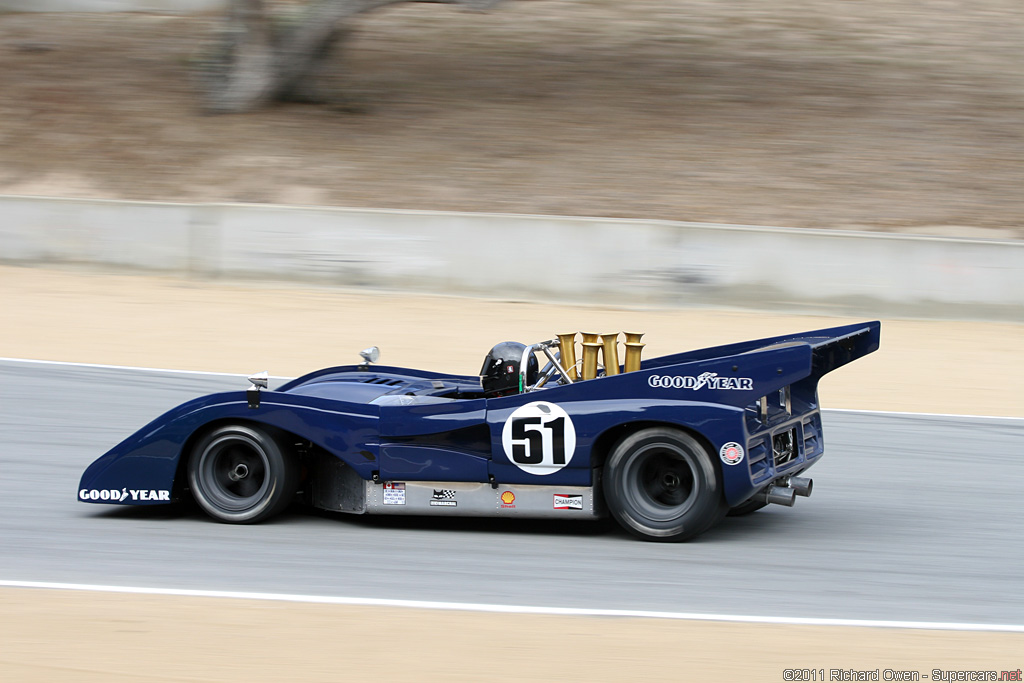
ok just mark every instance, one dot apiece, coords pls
pixel 609 261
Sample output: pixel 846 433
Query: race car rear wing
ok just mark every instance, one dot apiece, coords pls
pixel 831 347
pixel 777 375
pixel 839 349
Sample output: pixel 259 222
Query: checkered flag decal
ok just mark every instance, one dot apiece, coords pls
pixel 443 494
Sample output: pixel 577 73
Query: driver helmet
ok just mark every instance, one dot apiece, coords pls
pixel 500 372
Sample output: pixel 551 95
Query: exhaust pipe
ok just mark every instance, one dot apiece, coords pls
pixel 786 492
pixel 801 485
pixel 779 495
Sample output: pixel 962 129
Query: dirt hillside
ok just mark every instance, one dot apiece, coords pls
pixel 877 114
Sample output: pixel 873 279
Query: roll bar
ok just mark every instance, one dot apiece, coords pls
pixel 554 366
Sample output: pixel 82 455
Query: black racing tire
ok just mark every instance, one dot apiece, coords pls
pixel 239 475
pixel 661 484
pixel 744 509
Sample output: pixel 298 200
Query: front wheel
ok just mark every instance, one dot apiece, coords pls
pixel 239 475
pixel 662 485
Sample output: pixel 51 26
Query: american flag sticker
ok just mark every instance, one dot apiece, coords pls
pixel 394 493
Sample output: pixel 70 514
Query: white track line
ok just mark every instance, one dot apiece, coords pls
pixel 275 377
pixel 517 609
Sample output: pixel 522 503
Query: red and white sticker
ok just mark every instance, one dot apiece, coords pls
pixel 731 453
pixel 394 493
pixel 564 502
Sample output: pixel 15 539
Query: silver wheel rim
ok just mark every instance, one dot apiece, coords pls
pixel 234 473
pixel 660 482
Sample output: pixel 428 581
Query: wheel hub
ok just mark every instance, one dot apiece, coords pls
pixel 238 472
pixel 670 480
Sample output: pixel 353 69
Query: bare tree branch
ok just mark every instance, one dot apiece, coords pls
pixel 258 60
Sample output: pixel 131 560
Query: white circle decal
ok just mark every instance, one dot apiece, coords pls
pixel 731 453
pixel 539 438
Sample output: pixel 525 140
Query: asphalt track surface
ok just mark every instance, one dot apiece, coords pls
pixel 913 518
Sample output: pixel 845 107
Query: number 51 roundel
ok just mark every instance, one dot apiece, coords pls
pixel 539 438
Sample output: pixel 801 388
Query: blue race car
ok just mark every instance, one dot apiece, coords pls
pixel 667 446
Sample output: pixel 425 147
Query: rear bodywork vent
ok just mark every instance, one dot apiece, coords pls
pixel 757 460
pixel 813 446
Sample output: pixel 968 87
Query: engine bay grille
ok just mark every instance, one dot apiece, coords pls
pixel 784 447
pixel 384 380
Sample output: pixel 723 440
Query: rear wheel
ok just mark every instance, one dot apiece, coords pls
pixel 662 485
pixel 239 475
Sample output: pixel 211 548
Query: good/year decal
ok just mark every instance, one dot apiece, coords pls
pixel 710 380
pixel 539 438
pixel 115 496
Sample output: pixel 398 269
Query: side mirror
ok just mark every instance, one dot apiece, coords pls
pixel 370 355
pixel 259 381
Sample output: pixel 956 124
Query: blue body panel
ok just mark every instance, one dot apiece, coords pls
pixel 413 425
